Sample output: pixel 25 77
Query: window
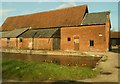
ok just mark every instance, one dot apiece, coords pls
pixel 69 39
pixel 20 39
pixel 91 42
pixel 8 38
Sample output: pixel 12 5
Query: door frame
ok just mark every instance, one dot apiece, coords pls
pixel 76 42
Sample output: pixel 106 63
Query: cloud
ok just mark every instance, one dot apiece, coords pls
pixel 67 4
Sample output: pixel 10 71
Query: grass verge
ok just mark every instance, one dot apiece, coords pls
pixel 33 71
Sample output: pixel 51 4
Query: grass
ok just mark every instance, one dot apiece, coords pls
pixel 33 71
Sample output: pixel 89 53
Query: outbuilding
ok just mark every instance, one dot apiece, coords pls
pixel 72 28
pixel 10 38
pixel 41 39
pixel 91 35
pixel 115 39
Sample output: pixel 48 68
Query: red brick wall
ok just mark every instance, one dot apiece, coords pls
pixel 12 43
pixel 108 33
pixel 26 43
pixel 43 43
pixel 85 34
pixel 3 42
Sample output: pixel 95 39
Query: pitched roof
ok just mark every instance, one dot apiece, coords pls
pixel 56 18
pixel 39 33
pixel 114 34
pixel 14 33
pixel 95 18
pixel 6 34
pixel 28 34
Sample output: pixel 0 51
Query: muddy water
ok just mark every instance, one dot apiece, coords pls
pixel 83 61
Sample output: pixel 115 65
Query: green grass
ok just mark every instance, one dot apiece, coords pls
pixel 33 71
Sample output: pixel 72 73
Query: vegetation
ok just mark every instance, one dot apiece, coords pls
pixel 33 71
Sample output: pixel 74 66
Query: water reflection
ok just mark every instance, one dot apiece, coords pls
pixel 84 61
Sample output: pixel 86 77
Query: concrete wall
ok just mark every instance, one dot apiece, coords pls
pixel 43 43
pixel 85 34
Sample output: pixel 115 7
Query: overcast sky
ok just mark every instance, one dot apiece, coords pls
pixel 8 9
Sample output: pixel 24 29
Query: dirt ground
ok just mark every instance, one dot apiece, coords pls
pixel 110 68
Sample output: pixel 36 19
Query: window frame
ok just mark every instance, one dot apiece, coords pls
pixel 91 43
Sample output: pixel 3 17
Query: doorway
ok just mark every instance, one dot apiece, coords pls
pixel 76 43
pixel 56 43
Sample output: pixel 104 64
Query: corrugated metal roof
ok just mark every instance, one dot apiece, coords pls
pixel 95 18
pixel 55 18
pixel 17 32
pixel 6 34
pixel 39 33
pixel 13 34
pixel 114 34
pixel 29 34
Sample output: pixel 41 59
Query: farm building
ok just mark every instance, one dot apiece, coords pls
pixel 10 38
pixel 45 39
pixel 72 28
pixel 115 39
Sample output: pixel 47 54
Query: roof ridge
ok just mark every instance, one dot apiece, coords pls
pixel 48 11
pixel 48 19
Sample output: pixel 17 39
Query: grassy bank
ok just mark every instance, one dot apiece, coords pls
pixel 33 71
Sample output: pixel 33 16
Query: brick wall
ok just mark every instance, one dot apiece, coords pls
pixel 43 43
pixel 26 43
pixel 85 34
pixel 108 34
pixel 12 43
pixel 3 42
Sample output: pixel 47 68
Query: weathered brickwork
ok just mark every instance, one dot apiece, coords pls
pixel 43 43
pixel 3 42
pixel 96 33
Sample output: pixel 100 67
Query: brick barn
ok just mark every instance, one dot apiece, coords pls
pixel 72 28
pixel 91 35
pixel 115 39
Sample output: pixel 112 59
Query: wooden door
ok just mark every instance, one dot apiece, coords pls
pixel 56 43
pixel 76 43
